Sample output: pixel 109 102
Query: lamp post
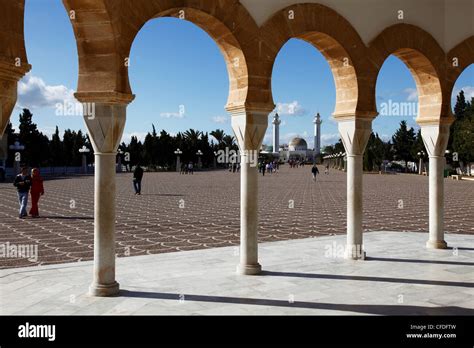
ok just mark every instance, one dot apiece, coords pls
pixel 17 147
pixel 447 153
pixel 178 153
pixel 420 154
pixel 119 161
pixel 84 151
pixel 199 154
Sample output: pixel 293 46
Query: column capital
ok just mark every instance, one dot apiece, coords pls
pixel 10 74
pixel 357 115
pixel 10 71
pixel 355 133
pixel 436 121
pixel 109 97
pixel 250 124
pixel 105 127
pixel 435 137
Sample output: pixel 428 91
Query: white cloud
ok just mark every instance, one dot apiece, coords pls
pixel 468 93
pixel 126 137
pixel 220 119
pixel 290 109
pixel 33 92
pixel 329 139
pixel 172 115
pixel 412 94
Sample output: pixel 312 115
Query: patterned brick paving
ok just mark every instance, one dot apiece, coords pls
pixel 155 223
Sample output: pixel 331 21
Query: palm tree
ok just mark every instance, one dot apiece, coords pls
pixel 192 135
pixel 218 134
pixel 229 141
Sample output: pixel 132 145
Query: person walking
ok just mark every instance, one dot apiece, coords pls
pixel 191 168
pixel 263 168
pixel 23 184
pixel 137 179
pixel 37 190
pixel 315 172
pixel 326 170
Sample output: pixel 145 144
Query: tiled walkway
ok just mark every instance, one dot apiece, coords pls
pixel 201 211
pixel 301 276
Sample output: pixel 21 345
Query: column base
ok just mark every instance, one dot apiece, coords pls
pixel 436 244
pixel 104 290
pixel 354 252
pixel 249 269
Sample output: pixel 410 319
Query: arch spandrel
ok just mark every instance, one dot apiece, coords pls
pixel 426 61
pixel 336 39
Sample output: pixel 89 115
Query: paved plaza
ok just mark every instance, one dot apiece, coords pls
pixel 186 212
pixel 301 277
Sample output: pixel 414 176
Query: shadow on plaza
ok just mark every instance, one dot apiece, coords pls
pixel 162 194
pixel 455 263
pixel 369 279
pixel 359 308
pixel 66 217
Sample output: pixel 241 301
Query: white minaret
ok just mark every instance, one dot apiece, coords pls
pixel 276 133
pixel 317 134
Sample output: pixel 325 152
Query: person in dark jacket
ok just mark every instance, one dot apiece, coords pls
pixel 23 184
pixel 314 171
pixel 137 179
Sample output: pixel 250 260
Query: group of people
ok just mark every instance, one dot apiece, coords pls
pixel 234 167
pixel 29 184
pixel 295 163
pixel 268 167
pixel 187 168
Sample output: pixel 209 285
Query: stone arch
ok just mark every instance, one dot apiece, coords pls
pixel 104 55
pixel 458 59
pixel 336 39
pixel 13 58
pixel 426 61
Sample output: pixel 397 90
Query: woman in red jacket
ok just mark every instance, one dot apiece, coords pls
pixel 37 191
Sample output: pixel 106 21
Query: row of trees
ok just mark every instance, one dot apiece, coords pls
pixel 158 150
pixel 41 151
pixel 406 143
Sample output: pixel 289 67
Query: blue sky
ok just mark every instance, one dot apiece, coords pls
pixel 175 65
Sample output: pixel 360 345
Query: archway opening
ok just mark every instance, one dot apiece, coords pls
pixel 304 84
pixel 179 111
pixel 461 141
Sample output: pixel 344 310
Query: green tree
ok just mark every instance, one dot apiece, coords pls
pixel 374 153
pixel 403 143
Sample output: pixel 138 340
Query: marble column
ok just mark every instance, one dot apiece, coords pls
pixel 435 138
pixel 105 127
pixel 355 135
pixel 249 127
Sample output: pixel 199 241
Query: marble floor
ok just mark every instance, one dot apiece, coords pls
pixel 301 277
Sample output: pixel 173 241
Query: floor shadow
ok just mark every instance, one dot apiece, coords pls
pixel 369 279
pixel 65 217
pixel 358 308
pixel 455 263
pixel 162 194
pixel 461 248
